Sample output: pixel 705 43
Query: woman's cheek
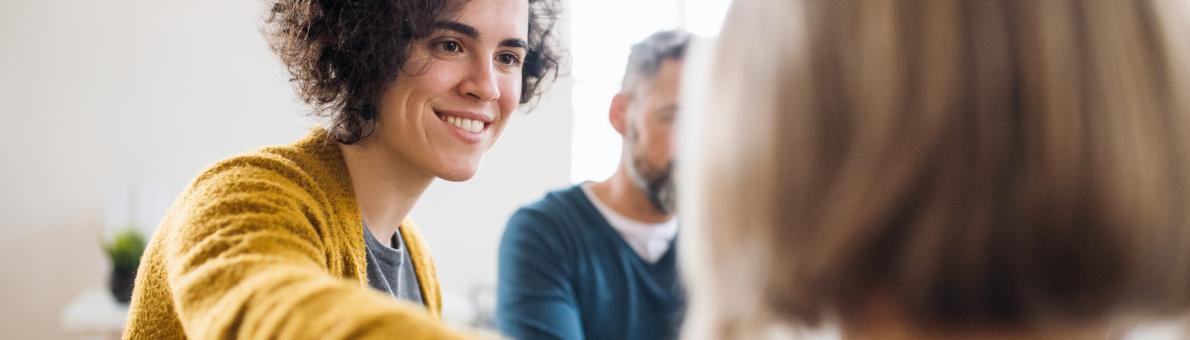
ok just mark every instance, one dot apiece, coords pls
pixel 509 102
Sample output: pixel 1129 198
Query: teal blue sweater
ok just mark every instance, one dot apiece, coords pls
pixel 566 274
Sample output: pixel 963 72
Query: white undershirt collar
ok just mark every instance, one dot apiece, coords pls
pixel 650 241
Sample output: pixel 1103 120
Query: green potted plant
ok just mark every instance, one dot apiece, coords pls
pixel 124 251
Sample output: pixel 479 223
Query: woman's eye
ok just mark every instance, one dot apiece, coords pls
pixel 509 59
pixel 450 46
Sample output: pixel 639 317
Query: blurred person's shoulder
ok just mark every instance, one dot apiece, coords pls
pixel 564 199
pixel 556 214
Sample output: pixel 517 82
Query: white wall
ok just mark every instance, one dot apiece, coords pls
pixel 97 97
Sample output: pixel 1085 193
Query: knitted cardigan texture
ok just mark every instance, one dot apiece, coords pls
pixel 269 245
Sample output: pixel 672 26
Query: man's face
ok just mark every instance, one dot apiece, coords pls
pixel 649 137
pixel 458 90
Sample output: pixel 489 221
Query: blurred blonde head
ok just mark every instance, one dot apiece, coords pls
pixel 959 164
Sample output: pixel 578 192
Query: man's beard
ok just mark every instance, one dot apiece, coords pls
pixel 657 184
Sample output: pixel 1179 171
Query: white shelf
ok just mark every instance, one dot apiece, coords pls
pixel 95 314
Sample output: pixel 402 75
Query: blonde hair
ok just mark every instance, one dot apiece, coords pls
pixel 980 163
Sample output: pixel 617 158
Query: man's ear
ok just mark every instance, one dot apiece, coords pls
pixel 618 112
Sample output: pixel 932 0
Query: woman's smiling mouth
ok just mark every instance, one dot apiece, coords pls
pixel 468 126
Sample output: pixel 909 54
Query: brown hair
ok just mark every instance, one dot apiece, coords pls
pixel 342 53
pixel 981 163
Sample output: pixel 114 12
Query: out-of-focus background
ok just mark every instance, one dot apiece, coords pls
pixel 109 108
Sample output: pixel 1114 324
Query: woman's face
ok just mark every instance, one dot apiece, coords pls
pixel 457 91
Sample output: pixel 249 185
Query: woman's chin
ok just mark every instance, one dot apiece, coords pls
pixel 458 173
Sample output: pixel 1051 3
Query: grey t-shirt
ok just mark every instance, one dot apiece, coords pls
pixel 389 268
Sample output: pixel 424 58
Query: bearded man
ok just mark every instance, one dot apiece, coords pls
pixel 597 260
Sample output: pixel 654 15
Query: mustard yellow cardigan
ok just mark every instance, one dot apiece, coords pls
pixel 270 245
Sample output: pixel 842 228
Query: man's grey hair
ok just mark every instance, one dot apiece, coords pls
pixel 647 56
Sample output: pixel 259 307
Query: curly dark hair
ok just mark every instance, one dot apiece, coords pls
pixel 342 53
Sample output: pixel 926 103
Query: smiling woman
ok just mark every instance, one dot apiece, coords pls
pixel 450 104
pixel 311 239
pixel 341 64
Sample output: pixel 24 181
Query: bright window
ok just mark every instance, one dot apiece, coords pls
pixel 602 32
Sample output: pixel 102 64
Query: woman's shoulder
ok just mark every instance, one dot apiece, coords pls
pixel 309 172
pixel 310 164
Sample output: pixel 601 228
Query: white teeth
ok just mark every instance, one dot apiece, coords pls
pixel 469 125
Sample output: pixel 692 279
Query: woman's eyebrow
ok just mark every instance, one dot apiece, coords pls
pixel 458 27
pixel 517 43
pixel 473 33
